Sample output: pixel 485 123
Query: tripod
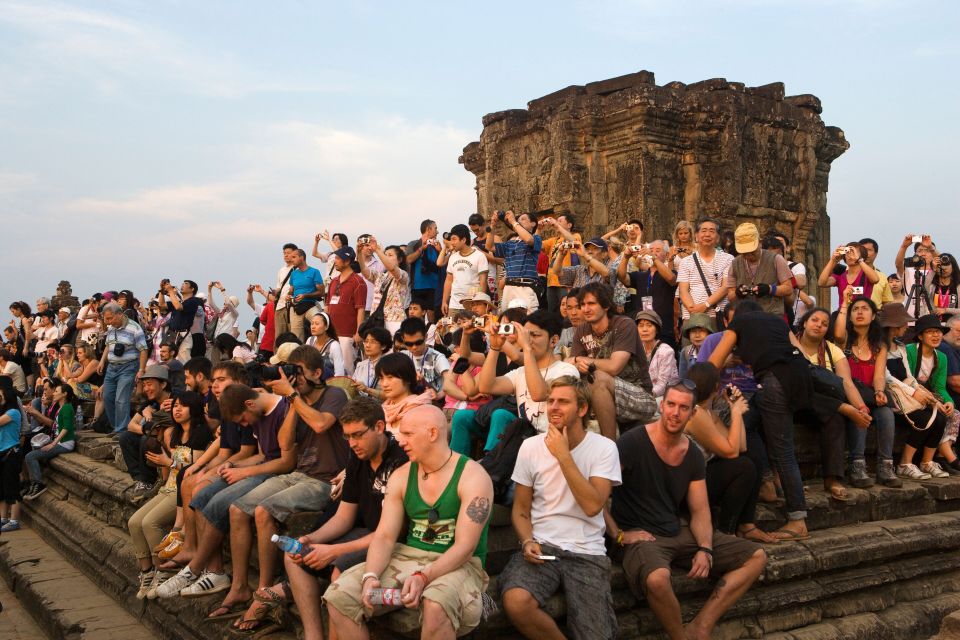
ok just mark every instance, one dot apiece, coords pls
pixel 918 295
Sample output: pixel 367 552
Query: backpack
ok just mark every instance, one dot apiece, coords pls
pixel 500 461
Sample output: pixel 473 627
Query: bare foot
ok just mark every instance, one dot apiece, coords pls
pixel 692 631
pixel 768 492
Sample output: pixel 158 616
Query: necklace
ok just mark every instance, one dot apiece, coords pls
pixel 427 473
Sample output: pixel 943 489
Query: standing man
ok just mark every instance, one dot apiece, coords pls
pixel 758 273
pixel 446 499
pixel 564 225
pixel 467 269
pixel 520 255
pixel 701 277
pixel 306 288
pixel 183 307
pixel 282 290
pixel 124 361
pixel 563 479
pixel 424 274
pixel 347 305
pixel 881 293
pixel 661 471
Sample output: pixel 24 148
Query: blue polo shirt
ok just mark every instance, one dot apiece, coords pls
pixel 520 259
pixel 305 281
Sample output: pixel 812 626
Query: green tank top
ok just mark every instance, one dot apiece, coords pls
pixel 447 507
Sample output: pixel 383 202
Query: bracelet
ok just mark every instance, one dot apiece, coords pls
pixel 773 290
pixel 367 575
pixel 706 550
pixel 620 538
pixel 523 544
pixel 426 580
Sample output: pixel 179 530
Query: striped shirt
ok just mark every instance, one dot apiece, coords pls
pixel 714 271
pixel 520 258
pixel 131 336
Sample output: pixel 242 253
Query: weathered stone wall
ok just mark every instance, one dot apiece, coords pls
pixel 625 147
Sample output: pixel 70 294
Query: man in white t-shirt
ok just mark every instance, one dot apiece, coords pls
pixel 537 339
pixel 467 269
pixel 283 288
pixel 14 371
pixel 563 479
pixel 705 293
pixel 88 321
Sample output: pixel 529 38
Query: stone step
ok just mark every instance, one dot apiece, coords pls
pixel 61 598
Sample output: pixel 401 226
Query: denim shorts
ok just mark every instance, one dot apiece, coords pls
pixel 214 500
pixel 286 494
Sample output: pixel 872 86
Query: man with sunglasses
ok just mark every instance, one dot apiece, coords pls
pixel 563 478
pixel 431 365
pixel 343 540
pixel 661 470
pixel 446 499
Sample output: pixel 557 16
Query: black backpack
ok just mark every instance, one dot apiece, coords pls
pixel 500 461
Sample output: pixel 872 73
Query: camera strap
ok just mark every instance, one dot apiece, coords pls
pixel 703 277
pixel 286 279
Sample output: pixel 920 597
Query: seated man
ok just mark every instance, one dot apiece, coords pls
pixel 342 541
pixel 661 469
pixel 563 479
pixel 263 413
pixel 432 366
pixel 154 413
pixel 440 567
pixel 609 355
pixel 313 430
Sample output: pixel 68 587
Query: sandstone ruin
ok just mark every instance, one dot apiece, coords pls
pixel 626 147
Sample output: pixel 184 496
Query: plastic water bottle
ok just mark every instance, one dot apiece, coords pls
pixel 290 545
pixel 386 597
pixel 79 417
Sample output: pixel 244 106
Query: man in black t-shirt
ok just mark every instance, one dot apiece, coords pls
pixel 343 540
pixel 183 307
pixel 655 286
pixel 661 471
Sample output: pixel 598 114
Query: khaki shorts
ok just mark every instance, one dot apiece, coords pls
pixel 459 592
pixel 283 495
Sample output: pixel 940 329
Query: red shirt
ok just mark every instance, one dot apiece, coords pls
pixel 343 300
pixel 269 326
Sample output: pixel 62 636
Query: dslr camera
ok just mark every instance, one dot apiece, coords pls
pixel 501 215
pixel 915 261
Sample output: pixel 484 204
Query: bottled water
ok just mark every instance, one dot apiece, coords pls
pixel 290 545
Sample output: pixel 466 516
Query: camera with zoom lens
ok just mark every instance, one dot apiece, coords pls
pixel 501 215
pixel 260 372
pixel 916 262
pixel 744 291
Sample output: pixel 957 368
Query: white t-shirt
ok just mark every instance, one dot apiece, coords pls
pixel 466 272
pixel 88 335
pixel 228 320
pixel 286 289
pixel 333 351
pixel 15 372
pixel 536 412
pixel 714 271
pixel 557 518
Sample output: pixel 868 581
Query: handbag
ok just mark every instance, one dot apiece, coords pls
pixel 304 305
pixel 377 319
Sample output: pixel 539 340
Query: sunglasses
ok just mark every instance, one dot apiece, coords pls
pixel 431 534
pixel 688 384
pixel 414 343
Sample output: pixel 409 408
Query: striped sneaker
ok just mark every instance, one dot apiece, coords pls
pixel 208 583
pixel 176 584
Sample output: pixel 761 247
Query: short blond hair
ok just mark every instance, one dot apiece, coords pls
pixel 580 388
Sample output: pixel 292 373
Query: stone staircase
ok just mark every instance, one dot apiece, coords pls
pixel 884 565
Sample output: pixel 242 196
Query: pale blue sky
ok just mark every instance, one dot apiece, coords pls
pixel 191 139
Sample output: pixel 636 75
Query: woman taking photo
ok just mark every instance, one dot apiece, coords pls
pixel 733 483
pixel 232 349
pixel 683 243
pixel 945 288
pixel 64 439
pixel 926 372
pixel 324 337
pixel 394 279
pixel 865 346
pixel 181 444
pixel 67 366
pixel 401 391
pixel 858 272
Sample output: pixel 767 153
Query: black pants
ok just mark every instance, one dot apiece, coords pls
pixel 11 461
pixel 134 449
pixel 732 486
pixel 929 438
pixel 833 440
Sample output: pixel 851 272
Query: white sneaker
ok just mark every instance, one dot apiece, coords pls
pixel 208 583
pixel 176 584
pixel 158 579
pixel 934 469
pixel 146 582
pixel 911 472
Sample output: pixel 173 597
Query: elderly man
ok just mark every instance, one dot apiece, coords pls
pixel 124 360
pixel 439 566
pixel 758 273
pixel 701 276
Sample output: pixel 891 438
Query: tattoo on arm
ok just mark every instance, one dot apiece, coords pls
pixel 479 510
pixel 721 583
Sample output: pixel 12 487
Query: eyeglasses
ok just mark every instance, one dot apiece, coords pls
pixel 688 384
pixel 355 436
pixel 431 534
pixel 414 343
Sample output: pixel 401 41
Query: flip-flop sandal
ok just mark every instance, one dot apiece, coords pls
pixel 789 536
pixel 261 612
pixel 261 627
pixel 234 610
pixel 746 536
pixel 272 598
pixel 839 493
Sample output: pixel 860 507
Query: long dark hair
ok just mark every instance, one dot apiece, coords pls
pixel 809 314
pixel 226 343
pixel 954 273
pixel 399 365
pixel 199 430
pixel 71 395
pixel 876 338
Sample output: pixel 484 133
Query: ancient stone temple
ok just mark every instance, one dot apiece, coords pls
pixel 626 147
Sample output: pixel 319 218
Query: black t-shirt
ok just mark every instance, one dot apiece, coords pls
pixel 233 436
pixel 651 283
pixel 182 319
pixel 212 404
pixel 365 487
pixel 763 342
pixel 652 494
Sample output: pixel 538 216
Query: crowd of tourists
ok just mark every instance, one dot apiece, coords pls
pixel 629 399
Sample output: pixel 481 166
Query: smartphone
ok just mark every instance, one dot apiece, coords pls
pixel 729 391
pixel 857 291
pixel 461 365
pixel 546 557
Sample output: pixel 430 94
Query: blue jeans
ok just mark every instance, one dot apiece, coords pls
pixel 463 429
pixel 857 438
pixel 777 416
pixel 214 500
pixel 34 457
pixel 117 389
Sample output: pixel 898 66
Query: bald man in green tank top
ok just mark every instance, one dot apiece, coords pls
pixel 446 499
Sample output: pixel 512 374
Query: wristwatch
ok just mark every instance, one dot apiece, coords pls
pixel 293 396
